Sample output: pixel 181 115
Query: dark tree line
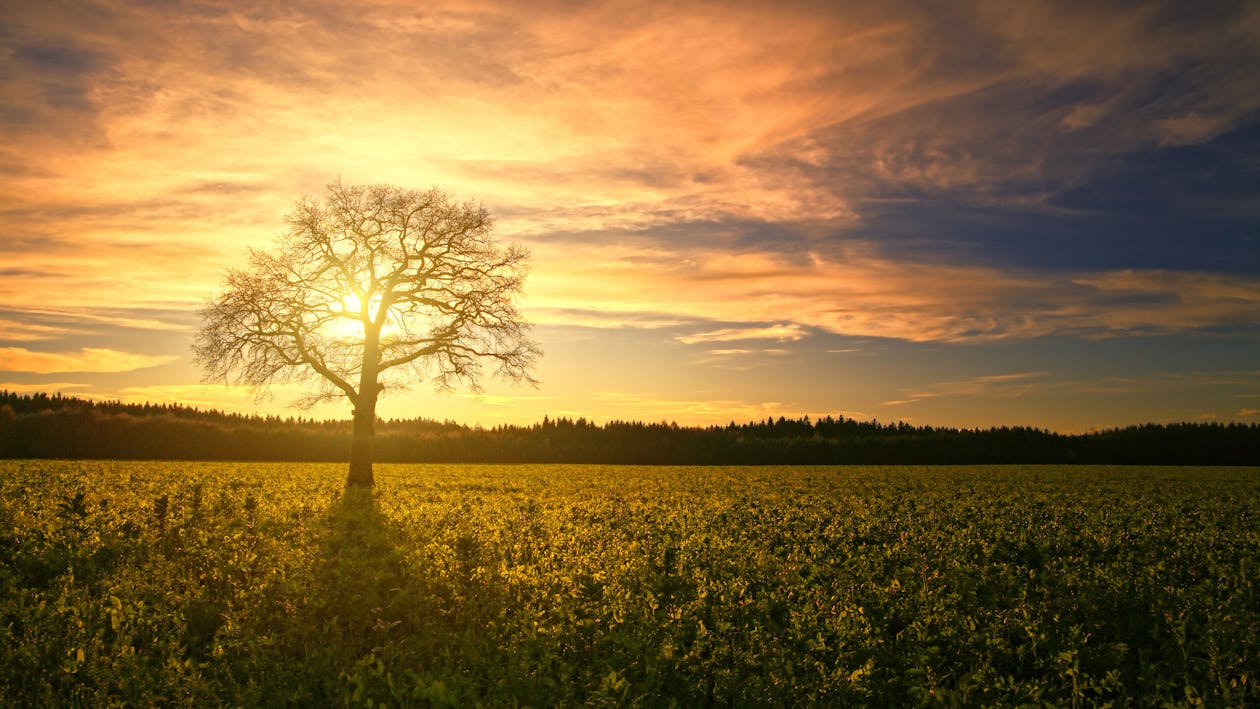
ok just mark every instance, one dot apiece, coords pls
pixel 43 426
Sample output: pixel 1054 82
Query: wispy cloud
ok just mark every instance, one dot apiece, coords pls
pixel 88 359
pixel 861 291
pixel 43 387
pixel 1001 385
pixel 603 319
pixel 1182 391
pixel 83 318
pixel 744 351
pixel 23 331
pixel 782 332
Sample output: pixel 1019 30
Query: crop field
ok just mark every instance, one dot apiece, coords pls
pixel 260 584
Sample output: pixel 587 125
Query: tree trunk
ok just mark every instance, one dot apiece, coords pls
pixel 361 444
pixel 365 411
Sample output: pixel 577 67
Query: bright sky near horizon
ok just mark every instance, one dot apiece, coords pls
pixel 956 213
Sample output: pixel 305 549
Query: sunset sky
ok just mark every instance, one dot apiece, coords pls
pixel 953 213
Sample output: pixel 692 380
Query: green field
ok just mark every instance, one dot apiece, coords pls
pixel 258 584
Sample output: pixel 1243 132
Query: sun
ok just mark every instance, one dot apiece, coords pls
pixel 351 302
pixel 348 325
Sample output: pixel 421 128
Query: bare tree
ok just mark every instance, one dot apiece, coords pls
pixel 372 289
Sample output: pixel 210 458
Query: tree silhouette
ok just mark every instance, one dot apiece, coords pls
pixel 373 288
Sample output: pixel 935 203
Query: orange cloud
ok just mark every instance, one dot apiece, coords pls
pixel 88 359
pixel 188 144
pixel 21 331
pixel 42 387
pixel 862 292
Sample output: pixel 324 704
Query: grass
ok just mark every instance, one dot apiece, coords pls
pixel 264 585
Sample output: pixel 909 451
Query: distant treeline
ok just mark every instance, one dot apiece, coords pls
pixel 44 426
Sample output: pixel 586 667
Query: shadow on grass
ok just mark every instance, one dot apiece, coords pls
pixel 359 573
pixel 395 633
pixel 382 615
pixel 329 623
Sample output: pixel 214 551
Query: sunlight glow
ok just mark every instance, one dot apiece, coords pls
pixel 351 302
pixel 348 325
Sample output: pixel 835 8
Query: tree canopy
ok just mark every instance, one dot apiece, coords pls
pixel 372 288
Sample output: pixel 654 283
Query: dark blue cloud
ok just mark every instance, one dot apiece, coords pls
pixel 1183 208
pixel 1148 164
pixel 47 83
pixel 64 59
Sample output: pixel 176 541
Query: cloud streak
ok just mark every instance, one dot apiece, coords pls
pixel 861 291
pixel 43 387
pixel 22 331
pixel 783 332
pixel 88 359
pixel 1002 385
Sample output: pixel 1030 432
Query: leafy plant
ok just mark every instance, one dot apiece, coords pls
pixel 620 586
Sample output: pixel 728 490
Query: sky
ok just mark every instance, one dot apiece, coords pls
pixel 962 214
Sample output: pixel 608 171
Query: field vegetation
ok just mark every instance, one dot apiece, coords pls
pixel 265 584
